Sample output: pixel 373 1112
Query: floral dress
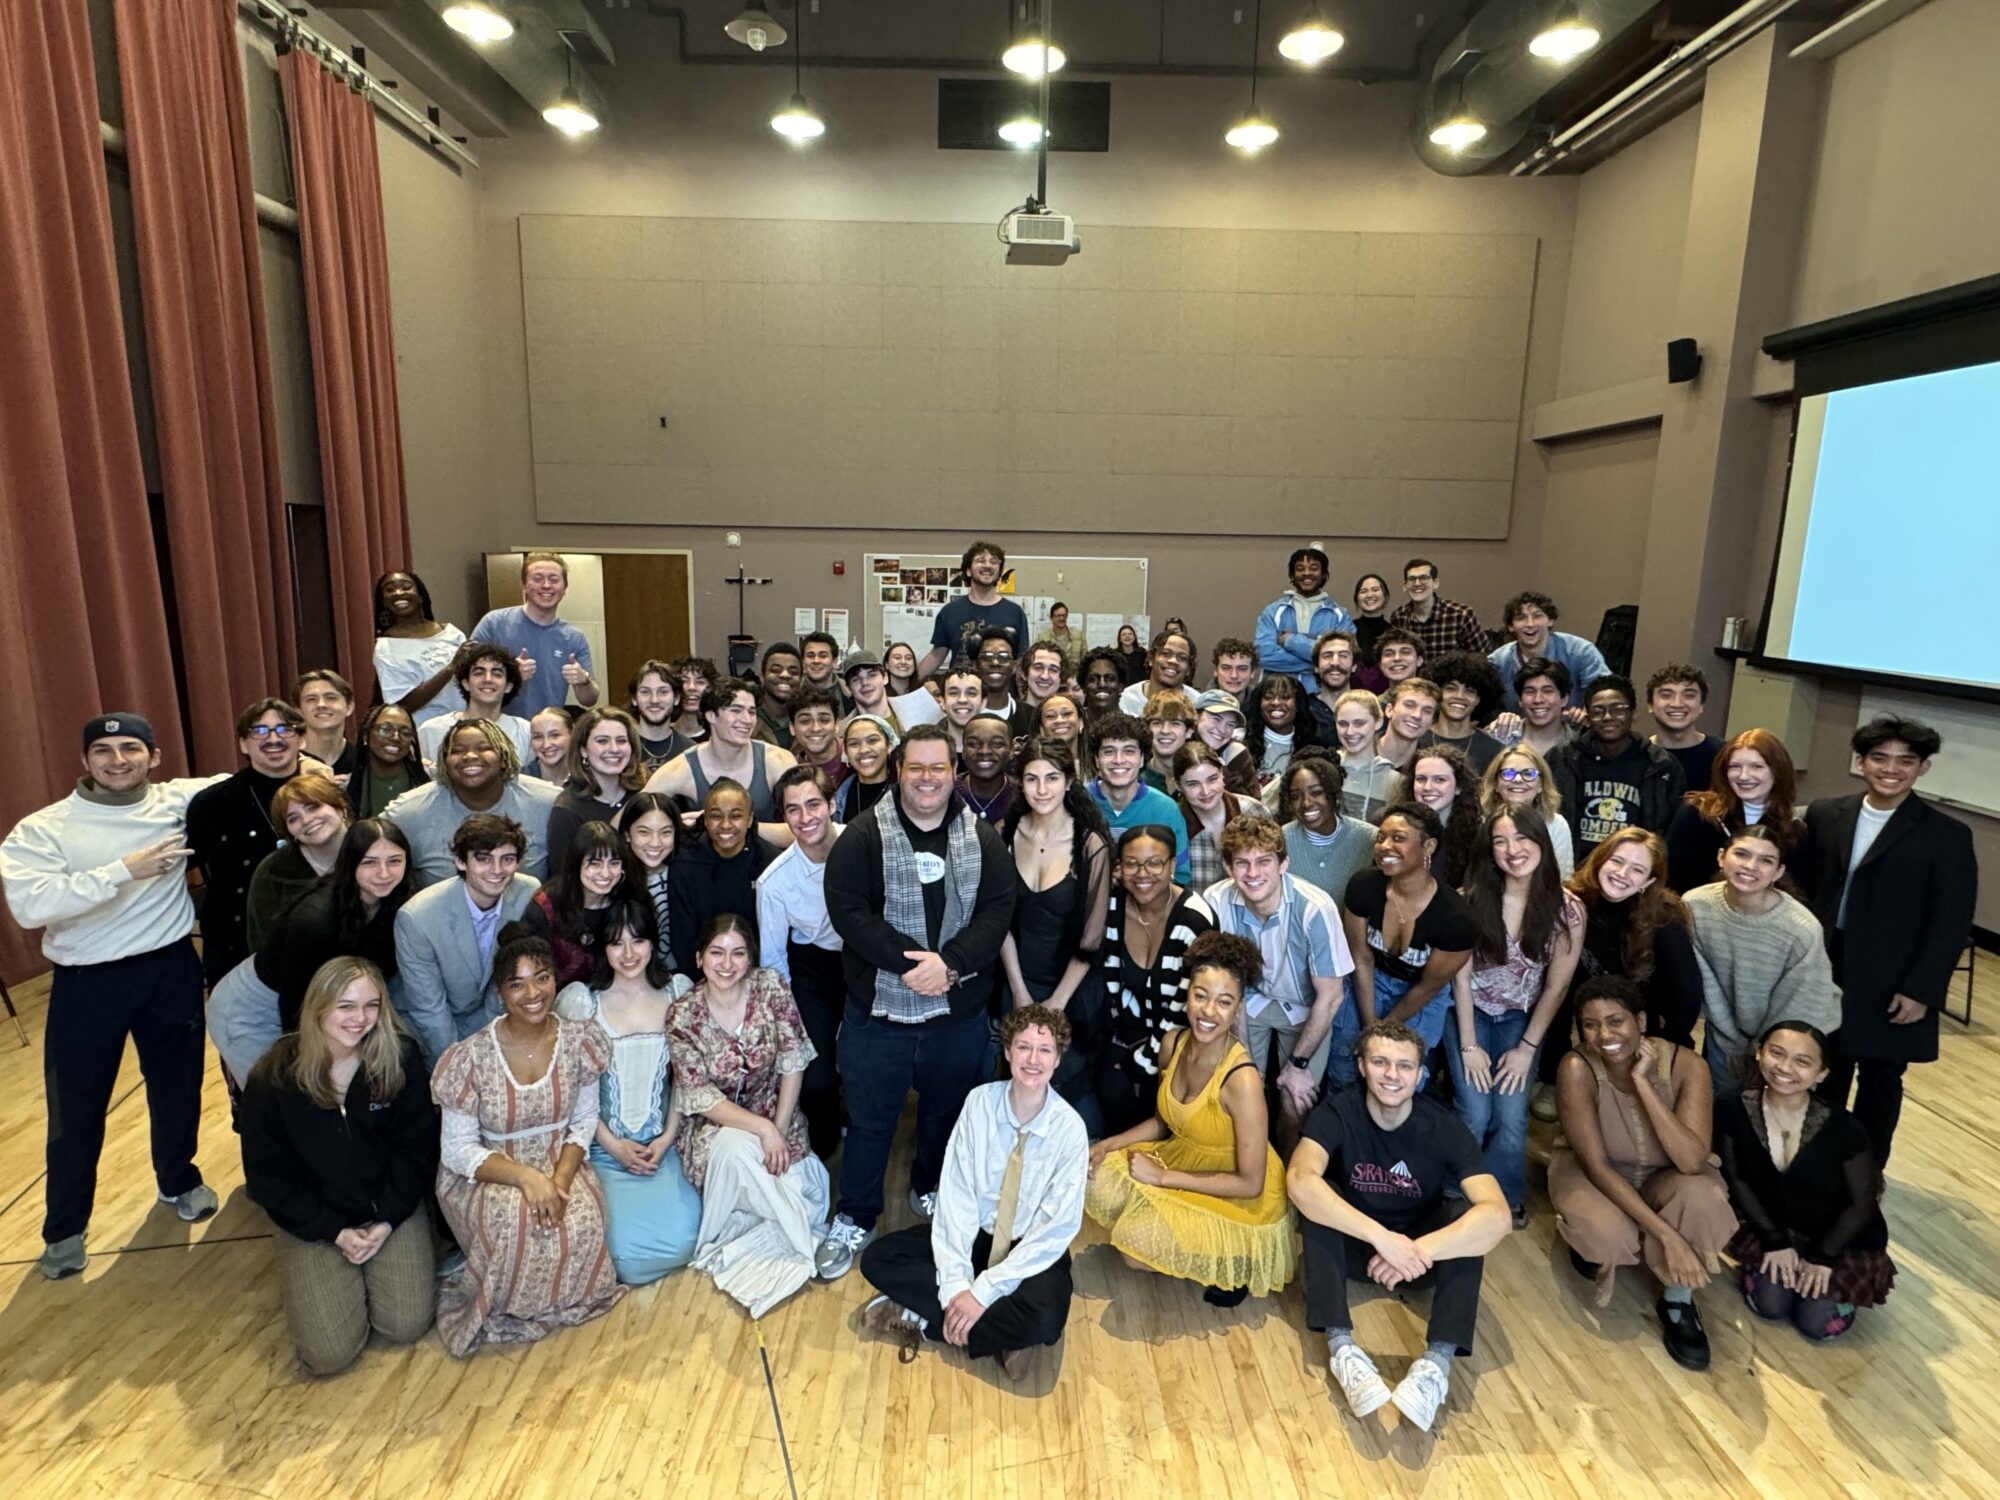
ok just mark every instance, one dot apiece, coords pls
pixel 712 1067
pixel 521 1281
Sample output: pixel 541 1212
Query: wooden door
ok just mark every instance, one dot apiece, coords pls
pixel 647 609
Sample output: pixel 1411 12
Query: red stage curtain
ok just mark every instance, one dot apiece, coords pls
pixel 80 597
pixel 338 184
pixel 187 140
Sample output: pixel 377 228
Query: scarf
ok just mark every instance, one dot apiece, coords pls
pixel 903 904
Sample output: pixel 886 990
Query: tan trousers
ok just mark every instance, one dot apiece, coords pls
pixel 331 1306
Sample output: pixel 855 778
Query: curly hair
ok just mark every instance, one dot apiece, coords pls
pixel 1463 831
pixel 1237 957
pixel 1653 908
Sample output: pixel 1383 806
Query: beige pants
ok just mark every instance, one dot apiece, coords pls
pixel 331 1306
pixel 1694 1205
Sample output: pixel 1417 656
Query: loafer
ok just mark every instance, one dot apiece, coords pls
pixel 1681 1332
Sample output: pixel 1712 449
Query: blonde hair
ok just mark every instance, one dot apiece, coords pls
pixel 1170 705
pixel 1548 800
pixel 1360 695
pixel 529 559
pixel 494 735
pixel 381 1050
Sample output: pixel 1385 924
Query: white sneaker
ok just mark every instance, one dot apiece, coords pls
pixel 1421 1392
pixel 844 1241
pixel 923 1205
pixel 1359 1381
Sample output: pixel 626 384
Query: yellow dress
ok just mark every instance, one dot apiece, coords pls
pixel 1219 1242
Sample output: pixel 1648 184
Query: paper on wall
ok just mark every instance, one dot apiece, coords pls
pixel 916 707
pixel 1142 626
pixel 834 623
pixel 802 620
pixel 909 623
pixel 1101 630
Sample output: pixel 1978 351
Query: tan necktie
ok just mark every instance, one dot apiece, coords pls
pixel 1010 1198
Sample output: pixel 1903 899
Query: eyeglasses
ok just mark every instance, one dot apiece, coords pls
pixel 1520 773
pixel 1609 711
pixel 1144 866
pixel 393 732
pixel 997 658
pixel 272 731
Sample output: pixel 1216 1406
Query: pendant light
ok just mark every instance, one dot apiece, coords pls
pixel 1567 36
pixel 1311 41
pixel 1459 128
pixel 1031 53
pixel 1253 132
pixel 569 113
pixel 478 21
pixel 756 28
pixel 796 122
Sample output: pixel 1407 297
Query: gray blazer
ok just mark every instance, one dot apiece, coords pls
pixel 447 991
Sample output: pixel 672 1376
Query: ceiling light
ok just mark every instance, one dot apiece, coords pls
pixel 478 22
pixel 1460 131
pixel 797 122
pixel 570 115
pixel 756 29
pixel 1022 132
pixel 1566 38
pixel 1025 57
pixel 1312 41
pixel 1251 134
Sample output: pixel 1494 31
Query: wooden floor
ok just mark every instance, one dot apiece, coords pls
pixel 164 1370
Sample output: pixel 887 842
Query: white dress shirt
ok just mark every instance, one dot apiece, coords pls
pixel 1054 1168
pixel 791 905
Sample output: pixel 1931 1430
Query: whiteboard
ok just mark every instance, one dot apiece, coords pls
pixel 1967 770
pixel 1088 585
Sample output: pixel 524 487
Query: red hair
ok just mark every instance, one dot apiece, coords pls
pixel 1721 806
pixel 1652 909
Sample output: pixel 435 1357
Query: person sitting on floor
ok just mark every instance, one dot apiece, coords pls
pixel 1814 1246
pixel 651 1211
pixel 990 1273
pixel 1209 1204
pixel 1633 1181
pixel 339 1145
pixel 520 1111
pixel 740 1058
pixel 1369 1180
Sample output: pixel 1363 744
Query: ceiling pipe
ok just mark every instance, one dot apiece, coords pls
pixel 1687 62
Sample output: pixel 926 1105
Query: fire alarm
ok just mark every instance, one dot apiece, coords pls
pixel 839 568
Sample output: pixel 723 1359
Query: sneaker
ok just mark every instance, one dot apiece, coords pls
pixel 1681 1331
pixel 1543 1105
pixel 844 1241
pixel 61 1258
pixel 1421 1392
pixel 197 1203
pixel 924 1205
pixel 1359 1381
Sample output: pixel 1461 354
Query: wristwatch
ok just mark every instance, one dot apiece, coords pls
pixel 1302 1062
pixel 951 979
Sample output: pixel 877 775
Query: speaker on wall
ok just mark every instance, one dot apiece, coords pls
pixel 1683 361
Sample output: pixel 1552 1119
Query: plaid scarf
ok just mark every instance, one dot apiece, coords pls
pixel 903 904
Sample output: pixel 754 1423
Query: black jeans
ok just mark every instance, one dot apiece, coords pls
pixel 903 1267
pixel 819 988
pixel 880 1062
pixel 155 999
pixel 1333 1258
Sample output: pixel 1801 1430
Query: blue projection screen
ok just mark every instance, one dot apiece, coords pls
pixel 1890 558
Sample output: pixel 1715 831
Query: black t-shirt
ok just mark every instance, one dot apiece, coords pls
pixel 1697 761
pixel 1396 1177
pixel 959 623
pixel 1446 923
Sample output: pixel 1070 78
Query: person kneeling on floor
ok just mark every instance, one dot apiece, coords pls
pixel 990 1272
pixel 1369 1179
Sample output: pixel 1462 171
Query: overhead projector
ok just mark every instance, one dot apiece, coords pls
pixel 1038 238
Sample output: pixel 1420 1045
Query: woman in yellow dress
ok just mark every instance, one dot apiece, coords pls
pixel 1207 1202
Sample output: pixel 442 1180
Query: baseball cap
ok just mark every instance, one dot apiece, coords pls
pixel 1217 700
pixel 105 726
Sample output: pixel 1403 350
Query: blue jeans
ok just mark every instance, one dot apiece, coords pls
pixel 880 1062
pixel 1428 1023
pixel 1727 1070
pixel 1499 1122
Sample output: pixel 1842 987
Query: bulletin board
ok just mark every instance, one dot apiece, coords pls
pixel 903 591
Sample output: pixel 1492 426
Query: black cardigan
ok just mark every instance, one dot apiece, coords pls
pixel 701 886
pixel 308 935
pixel 1830 1197
pixel 318 1171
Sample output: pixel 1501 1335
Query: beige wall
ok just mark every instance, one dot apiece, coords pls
pixel 1625 271
pixel 698 146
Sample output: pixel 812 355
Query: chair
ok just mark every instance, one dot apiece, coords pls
pixel 13 1015
pixel 1969 967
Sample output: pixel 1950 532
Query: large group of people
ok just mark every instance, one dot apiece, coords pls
pixel 525 998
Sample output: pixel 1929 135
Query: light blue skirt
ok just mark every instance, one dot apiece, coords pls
pixel 653 1220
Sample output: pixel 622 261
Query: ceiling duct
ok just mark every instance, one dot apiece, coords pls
pixel 535 60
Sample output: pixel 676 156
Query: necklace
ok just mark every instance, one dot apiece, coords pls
pixel 983 805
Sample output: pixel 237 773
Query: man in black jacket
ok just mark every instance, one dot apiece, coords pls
pixel 1611 780
pixel 1894 883
pixel 922 895
pixel 229 828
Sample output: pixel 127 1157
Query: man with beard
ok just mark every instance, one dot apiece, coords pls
pixel 654 696
pixel 229 829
